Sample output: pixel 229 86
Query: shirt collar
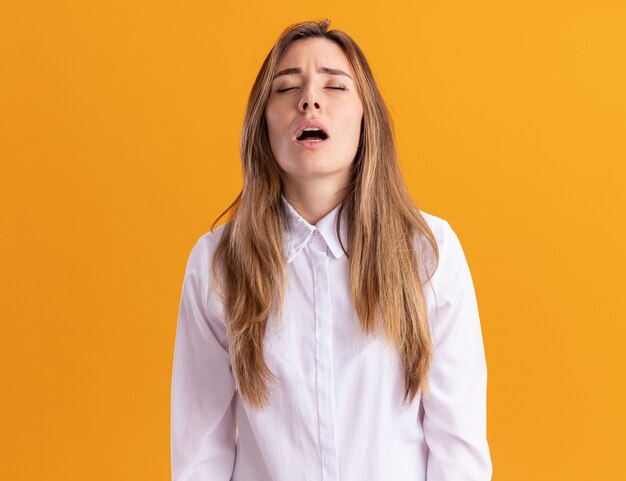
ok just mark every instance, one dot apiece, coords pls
pixel 299 231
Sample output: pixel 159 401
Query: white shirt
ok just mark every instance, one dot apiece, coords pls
pixel 337 413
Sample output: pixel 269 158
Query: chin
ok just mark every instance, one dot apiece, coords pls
pixel 318 171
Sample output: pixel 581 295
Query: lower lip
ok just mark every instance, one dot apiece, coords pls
pixel 312 145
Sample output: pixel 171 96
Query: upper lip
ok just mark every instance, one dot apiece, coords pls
pixel 309 123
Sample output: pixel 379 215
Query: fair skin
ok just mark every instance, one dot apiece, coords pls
pixel 315 178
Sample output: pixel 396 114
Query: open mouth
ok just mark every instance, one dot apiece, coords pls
pixel 312 134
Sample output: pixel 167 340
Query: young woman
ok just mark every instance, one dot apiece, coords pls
pixel 329 330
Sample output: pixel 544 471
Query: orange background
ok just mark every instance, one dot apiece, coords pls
pixel 119 143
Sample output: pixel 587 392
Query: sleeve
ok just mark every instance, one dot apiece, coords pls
pixel 455 409
pixel 202 430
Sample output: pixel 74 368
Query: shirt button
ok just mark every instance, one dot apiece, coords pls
pixel 317 233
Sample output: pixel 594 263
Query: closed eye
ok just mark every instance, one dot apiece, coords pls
pixel 291 88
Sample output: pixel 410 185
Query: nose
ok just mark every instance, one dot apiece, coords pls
pixel 308 101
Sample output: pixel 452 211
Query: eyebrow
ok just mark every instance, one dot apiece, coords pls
pixel 324 70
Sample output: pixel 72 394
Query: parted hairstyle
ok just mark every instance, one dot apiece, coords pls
pixel 382 225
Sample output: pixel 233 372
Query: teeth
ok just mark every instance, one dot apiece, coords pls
pixel 307 129
pixel 311 129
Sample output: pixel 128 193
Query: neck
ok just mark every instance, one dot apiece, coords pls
pixel 313 199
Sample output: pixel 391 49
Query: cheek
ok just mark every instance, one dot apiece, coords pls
pixel 275 129
pixel 353 119
pixel 352 123
pixel 270 120
pixel 275 122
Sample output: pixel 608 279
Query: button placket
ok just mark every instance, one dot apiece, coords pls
pixel 324 367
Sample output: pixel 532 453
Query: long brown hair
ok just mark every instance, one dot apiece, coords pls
pixel 382 224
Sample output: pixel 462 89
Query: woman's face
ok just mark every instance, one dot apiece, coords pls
pixel 314 81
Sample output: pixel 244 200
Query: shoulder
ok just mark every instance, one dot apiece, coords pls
pixel 451 257
pixel 199 281
pixel 202 251
pixel 452 278
pixel 447 239
pixel 200 259
pixel 437 225
pixel 450 294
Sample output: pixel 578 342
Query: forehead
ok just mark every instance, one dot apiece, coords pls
pixel 318 51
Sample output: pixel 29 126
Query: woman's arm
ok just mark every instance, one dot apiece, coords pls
pixel 202 408
pixel 455 412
